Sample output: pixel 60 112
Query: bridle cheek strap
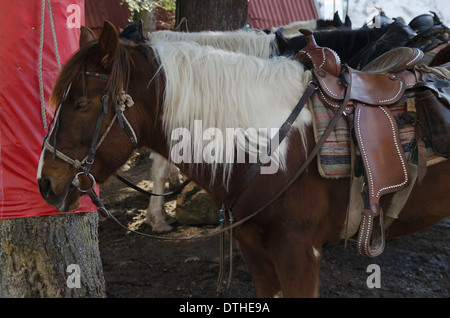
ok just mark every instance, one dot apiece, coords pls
pixel 93 148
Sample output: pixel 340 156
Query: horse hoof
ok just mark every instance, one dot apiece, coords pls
pixel 161 228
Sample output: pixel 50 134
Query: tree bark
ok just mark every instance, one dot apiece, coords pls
pixel 51 256
pixel 215 15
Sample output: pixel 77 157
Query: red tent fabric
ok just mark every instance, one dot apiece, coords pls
pixel 21 125
pixel 276 13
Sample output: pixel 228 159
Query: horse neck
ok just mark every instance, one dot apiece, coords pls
pixel 146 87
pixel 147 90
pixel 346 43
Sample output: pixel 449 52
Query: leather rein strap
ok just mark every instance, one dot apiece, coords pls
pixel 150 194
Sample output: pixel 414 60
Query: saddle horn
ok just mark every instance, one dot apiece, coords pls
pixel 314 56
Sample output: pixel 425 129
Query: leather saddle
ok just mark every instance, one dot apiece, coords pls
pixel 371 91
pixel 382 82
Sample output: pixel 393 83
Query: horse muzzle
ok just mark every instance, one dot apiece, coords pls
pixel 65 199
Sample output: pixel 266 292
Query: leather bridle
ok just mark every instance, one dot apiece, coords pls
pixel 120 102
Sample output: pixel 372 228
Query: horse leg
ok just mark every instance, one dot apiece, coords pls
pixel 427 204
pixel 297 267
pixel 156 215
pixel 281 267
pixel 262 271
pixel 174 176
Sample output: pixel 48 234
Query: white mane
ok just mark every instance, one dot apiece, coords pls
pixel 291 30
pixel 228 90
pixel 247 42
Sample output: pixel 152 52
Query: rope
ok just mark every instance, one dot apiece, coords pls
pixel 55 43
pixel 73 162
pixel 185 21
pixel 41 46
pixel 41 49
pixel 106 132
pixel 437 70
pixel 77 164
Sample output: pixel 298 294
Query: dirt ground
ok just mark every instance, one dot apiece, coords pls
pixel 416 266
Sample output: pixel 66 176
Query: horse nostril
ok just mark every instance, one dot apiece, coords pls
pixel 45 187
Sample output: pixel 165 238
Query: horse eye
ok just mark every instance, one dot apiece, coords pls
pixel 81 104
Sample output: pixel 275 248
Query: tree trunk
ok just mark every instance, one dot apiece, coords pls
pixel 216 15
pixel 51 256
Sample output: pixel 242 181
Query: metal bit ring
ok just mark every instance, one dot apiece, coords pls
pixel 76 182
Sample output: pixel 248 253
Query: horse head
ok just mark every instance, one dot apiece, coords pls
pixel 96 124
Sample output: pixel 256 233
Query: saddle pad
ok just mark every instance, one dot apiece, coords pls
pixel 334 158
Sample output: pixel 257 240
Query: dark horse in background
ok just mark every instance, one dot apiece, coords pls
pixel 359 47
pixel 317 25
pixel 174 84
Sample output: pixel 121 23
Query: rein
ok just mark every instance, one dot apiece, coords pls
pixel 87 162
pixel 251 173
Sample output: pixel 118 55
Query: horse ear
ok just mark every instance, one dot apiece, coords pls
pixel 109 43
pixel 348 22
pixel 337 22
pixel 86 36
pixel 281 42
pixel 141 28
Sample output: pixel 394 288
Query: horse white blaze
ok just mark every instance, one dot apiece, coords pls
pixel 278 294
pixel 316 252
pixel 41 164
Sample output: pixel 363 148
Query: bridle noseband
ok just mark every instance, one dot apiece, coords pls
pixel 120 102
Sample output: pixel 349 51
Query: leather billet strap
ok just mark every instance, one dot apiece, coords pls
pixel 253 171
pixel 98 203
pixel 245 181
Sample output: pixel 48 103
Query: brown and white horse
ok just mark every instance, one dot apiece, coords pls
pixel 173 86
